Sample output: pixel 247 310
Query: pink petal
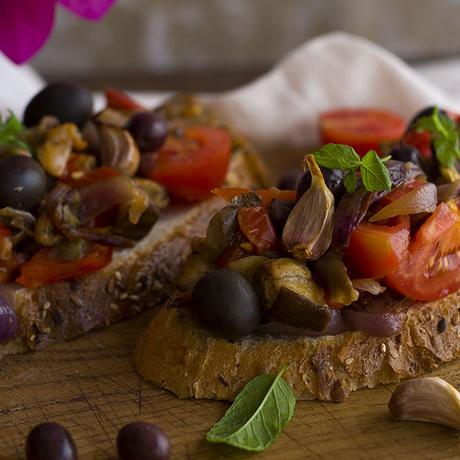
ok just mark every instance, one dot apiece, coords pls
pixel 88 9
pixel 24 27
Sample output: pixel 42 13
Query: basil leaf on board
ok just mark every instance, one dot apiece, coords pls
pixel 9 129
pixel 337 156
pixel 258 414
pixel 374 173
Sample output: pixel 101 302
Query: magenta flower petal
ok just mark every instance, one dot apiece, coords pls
pixel 24 27
pixel 88 9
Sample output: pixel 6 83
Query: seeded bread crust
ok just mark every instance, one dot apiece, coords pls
pixel 176 353
pixel 137 279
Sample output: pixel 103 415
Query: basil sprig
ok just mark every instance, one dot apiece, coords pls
pixel 444 135
pixel 258 414
pixel 374 173
pixel 9 130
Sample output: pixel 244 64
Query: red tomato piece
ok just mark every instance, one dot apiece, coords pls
pixel 44 269
pixel 431 268
pixel 421 141
pixel 91 177
pixel 376 250
pixel 256 226
pixel 194 164
pixel 117 99
pixel 363 129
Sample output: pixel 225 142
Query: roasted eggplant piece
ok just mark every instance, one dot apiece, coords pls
pixel 195 267
pixel 290 295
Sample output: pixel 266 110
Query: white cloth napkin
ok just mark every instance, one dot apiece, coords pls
pixel 281 108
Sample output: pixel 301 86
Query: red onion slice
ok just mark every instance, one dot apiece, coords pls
pixel 375 322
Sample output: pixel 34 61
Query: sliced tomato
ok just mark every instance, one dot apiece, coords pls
pixel 117 99
pixel 8 268
pixel 363 129
pixel 256 226
pixel 267 195
pixel 44 269
pixel 192 165
pixel 421 141
pixel 376 250
pixel 431 268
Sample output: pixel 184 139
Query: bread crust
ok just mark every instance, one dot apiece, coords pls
pixel 137 279
pixel 176 353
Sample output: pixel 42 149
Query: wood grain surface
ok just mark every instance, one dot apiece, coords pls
pixel 90 386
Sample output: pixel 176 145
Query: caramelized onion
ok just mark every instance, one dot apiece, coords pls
pixel 421 200
pixel 352 208
pixel 447 192
pixel 8 319
pixel 336 326
pixel 379 319
pixel 369 285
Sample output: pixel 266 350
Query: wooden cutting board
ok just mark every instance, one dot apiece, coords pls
pixel 90 386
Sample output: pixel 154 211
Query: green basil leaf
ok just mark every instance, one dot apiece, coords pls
pixel 337 156
pixel 374 173
pixel 9 131
pixel 350 180
pixel 258 414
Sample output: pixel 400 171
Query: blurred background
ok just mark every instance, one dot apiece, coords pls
pixel 220 44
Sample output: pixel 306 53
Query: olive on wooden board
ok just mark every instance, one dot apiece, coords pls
pixel 143 441
pixel 50 441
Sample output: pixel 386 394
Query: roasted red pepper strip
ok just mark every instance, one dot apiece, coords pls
pixel 44 269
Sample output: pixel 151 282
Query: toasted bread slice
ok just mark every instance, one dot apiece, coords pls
pixel 137 279
pixel 176 353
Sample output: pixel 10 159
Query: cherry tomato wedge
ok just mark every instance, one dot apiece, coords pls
pixel 44 269
pixel 377 250
pixel 256 226
pixel 363 129
pixel 117 99
pixel 431 269
pixel 267 195
pixel 192 165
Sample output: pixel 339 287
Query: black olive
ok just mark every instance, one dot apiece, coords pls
pixel 142 441
pixel 279 212
pixel 23 182
pixel 405 153
pixel 332 177
pixel 289 180
pixel 50 441
pixel 8 318
pixel 426 112
pixel 66 101
pixel 226 303
pixel 149 130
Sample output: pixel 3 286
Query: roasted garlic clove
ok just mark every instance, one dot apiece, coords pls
pixel 427 399
pixel 307 233
pixel 118 150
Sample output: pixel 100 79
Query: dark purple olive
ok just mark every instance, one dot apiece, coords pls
pixel 406 153
pixel 50 441
pixel 66 101
pixel 149 130
pixel 332 177
pixel 8 319
pixel 289 180
pixel 279 212
pixel 426 112
pixel 23 182
pixel 142 441
pixel 226 303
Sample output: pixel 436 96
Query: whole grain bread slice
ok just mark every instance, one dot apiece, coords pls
pixel 137 279
pixel 176 353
